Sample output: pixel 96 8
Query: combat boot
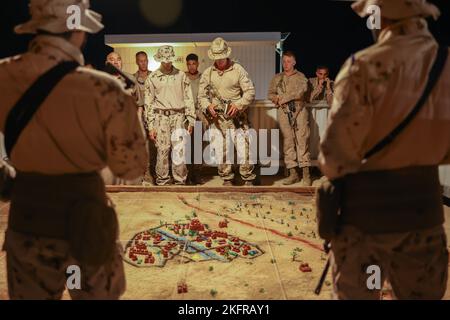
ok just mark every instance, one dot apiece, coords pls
pixel 293 177
pixel 306 179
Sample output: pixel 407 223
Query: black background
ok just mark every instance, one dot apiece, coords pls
pixel 322 32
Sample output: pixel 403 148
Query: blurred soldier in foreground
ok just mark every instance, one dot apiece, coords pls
pixel 169 109
pixel 391 213
pixel 288 92
pixel 59 214
pixel 225 93
pixel 321 89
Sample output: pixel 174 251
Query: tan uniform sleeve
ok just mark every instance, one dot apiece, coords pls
pixel 248 90
pixel 330 94
pixel 272 93
pixel 349 123
pixel 203 98
pixel 149 100
pixel 188 101
pixel 126 154
pixel 295 91
pixel 315 91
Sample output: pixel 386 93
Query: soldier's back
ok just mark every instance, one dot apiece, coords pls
pixel 68 133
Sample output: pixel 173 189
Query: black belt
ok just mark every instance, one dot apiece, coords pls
pixel 169 112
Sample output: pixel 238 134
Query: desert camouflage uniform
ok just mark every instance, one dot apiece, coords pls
pixel 195 168
pixel 235 85
pixel 169 93
pixel 375 90
pixel 289 88
pixel 140 96
pixel 37 268
pixel 88 122
pixel 318 106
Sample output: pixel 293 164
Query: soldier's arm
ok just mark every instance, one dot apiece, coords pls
pixel 272 93
pixel 330 93
pixel 296 91
pixel 315 91
pixel 349 123
pixel 188 101
pixel 149 101
pixel 126 153
pixel 248 91
pixel 203 98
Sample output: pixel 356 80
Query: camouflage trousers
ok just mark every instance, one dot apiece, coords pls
pixel 225 169
pixel 295 154
pixel 37 269
pixel 195 169
pixel 415 263
pixel 165 126
pixel 318 121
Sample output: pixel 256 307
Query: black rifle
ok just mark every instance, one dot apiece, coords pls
pixel 111 69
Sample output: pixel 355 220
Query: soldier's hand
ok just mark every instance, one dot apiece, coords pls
pixel 190 129
pixel 152 135
pixel 211 110
pixel 275 100
pixel 328 83
pixel 232 110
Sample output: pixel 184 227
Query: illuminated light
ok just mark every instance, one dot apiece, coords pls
pixel 161 13
pixel 153 65
pixel 155 44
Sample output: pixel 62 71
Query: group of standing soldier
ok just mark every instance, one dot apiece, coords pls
pixel 171 100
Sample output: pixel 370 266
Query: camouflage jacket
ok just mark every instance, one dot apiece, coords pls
pixel 374 91
pixel 232 84
pixel 86 123
pixel 168 92
pixel 289 88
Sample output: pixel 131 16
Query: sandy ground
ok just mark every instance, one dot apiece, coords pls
pixel 279 223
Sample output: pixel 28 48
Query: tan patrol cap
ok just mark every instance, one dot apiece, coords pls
pixel 55 16
pixel 397 9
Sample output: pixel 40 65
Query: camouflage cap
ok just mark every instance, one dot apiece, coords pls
pixel 56 16
pixel 165 54
pixel 397 9
pixel 219 49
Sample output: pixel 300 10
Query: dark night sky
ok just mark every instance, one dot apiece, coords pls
pixel 322 32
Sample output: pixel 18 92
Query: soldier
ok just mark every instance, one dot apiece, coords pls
pixel 288 92
pixel 140 77
pixel 225 93
pixel 321 89
pixel 115 59
pixel 393 218
pixel 194 75
pixel 169 106
pixel 87 122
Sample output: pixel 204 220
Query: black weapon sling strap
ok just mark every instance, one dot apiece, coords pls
pixel 23 111
pixel 434 75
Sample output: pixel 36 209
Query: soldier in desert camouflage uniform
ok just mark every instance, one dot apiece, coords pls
pixel 288 92
pixel 140 77
pixel 391 210
pixel 86 123
pixel 322 90
pixel 225 93
pixel 169 108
